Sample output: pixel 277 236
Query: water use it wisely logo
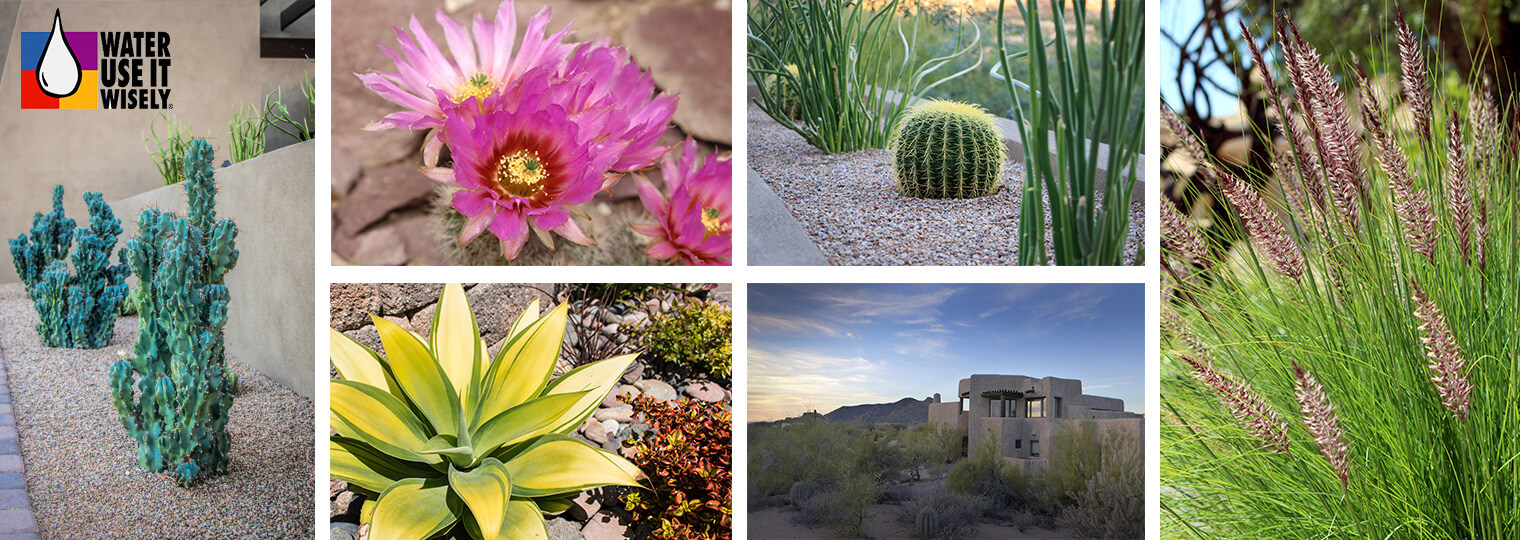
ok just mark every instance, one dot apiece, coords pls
pixel 94 70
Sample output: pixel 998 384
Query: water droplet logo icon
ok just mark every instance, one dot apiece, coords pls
pixel 58 70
